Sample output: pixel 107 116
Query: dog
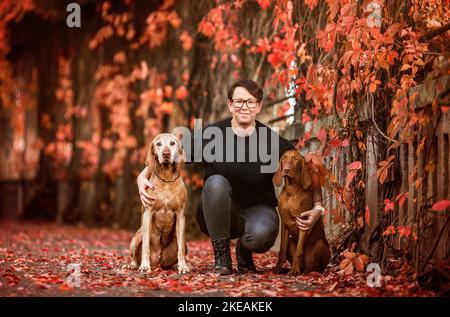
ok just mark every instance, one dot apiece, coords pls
pixel 307 251
pixel 161 236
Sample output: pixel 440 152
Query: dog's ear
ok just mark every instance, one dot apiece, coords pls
pixel 150 159
pixel 305 175
pixel 180 158
pixel 277 176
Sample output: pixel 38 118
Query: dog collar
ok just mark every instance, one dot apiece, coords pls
pixel 165 180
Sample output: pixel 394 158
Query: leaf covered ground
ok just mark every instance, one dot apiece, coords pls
pixel 36 258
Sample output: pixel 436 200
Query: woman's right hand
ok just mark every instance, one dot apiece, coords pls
pixel 143 183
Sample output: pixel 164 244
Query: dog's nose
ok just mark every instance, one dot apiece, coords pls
pixel 166 154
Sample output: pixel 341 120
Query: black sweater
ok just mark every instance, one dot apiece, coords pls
pixel 250 185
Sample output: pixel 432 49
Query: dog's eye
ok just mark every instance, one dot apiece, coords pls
pixel 158 144
pixel 172 143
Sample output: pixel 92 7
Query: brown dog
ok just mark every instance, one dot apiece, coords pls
pixel 307 251
pixel 162 237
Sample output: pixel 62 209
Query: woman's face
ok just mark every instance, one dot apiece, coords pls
pixel 244 114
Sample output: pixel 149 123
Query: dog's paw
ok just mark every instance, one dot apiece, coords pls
pixel 276 269
pixel 183 268
pixel 293 272
pixel 144 268
pixel 132 266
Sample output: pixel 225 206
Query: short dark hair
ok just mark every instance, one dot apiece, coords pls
pixel 253 88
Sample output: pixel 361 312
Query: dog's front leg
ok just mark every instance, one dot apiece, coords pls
pixel 181 242
pixel 146 223
pixel 297 260
pixel 137 238
pixel 283 249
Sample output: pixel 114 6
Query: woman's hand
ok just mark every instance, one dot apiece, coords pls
pixel 308 219
pixel 143 183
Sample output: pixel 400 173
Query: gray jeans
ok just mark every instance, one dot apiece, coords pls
pixel 220 218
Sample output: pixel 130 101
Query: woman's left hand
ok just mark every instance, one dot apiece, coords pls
pixel 307 219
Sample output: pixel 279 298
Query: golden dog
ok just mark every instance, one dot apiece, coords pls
pixel 161 236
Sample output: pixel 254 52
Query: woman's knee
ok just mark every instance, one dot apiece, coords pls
pixel 216 185
pixel 216 198
pixel 261 231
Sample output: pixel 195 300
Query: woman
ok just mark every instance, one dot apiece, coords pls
pixel 238 198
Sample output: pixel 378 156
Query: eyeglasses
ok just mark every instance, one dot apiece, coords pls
pixel 251 103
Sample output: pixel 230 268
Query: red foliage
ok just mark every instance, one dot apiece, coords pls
pixel 388 205
pixel 404 231
pixel 181 93
pixel 264 3
pixel 390 230
pixel 186 41
pixel 441 205
pixel 342 62
pixel 34 261
pixel 353 260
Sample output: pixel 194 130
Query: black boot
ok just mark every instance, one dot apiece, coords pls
pixel 222 256
pixel 244 259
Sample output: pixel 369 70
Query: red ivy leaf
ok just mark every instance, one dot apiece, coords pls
pixel 388 205
pixel 441 205
pixel 335 143
pixel 356 165
pixel 311 3
pixel 361 262
pixel 263 45
pixel 367 216
pixel 390 230
pixel 348 254
pixel 345 143
pixel 264 4
pixel 181 93
pixel 404 231
pixel 207 28
pixel 349 178
pixel 346 266
pixel 401 198
pixel 275 60
pixel 305 118
pixel 322 135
